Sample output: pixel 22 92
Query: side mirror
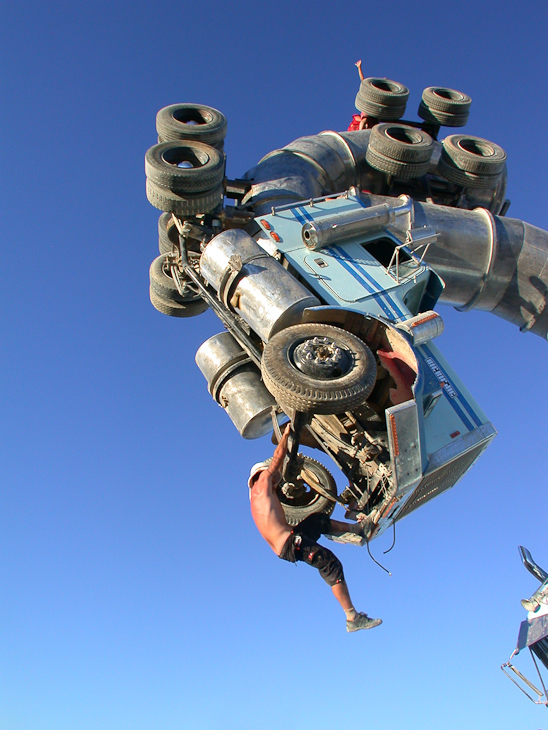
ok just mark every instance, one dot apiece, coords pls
pixel 531 566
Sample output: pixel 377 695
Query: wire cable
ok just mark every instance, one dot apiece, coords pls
pixel 376 561
pixel 393 541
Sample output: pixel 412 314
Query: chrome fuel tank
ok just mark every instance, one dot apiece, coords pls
pixel 252 283
pixel 235 383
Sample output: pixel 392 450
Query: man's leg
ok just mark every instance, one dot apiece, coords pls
pixel 339 528
pixel 329 566
pixel 354 620
pixel 320 524
pixel 341 593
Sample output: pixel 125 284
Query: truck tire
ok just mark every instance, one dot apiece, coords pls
pixel 395 167
pixel 382 98
pixel 162 283
pixel 184 205
pixel 185 166
pixel 445 107
pixel 474 154
pixel 308 502
pixel 441 119
pixel 193 122
pixel 176 309
pixel 448 101
pixel 471 161
pixel 318 368
pixel 401 142
pixel 168 235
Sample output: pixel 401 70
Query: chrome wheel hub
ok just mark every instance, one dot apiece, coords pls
pixel 321 357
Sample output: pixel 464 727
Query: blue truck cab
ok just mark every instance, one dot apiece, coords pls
pixel 368 281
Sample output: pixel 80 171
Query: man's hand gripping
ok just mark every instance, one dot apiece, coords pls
pixel 275 466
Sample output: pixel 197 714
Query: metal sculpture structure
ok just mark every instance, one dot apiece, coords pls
pixel 533 634
pixel 325 273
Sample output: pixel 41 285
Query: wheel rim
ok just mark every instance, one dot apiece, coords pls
pixel 448 94
pixel 296 493
pixel 408 136
pixel 392 87
pixel 321 357
pixel 193 116
pixel 190 293
pixel 476 147
pixel 185 157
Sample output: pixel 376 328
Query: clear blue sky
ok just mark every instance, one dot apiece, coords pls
pixel 135 591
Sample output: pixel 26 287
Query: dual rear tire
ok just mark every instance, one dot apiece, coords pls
pixel 165 295
pixel 302 500
pixel 471 161
pixel 399 150
pixel 185 177
pixel 193 122
pixel 382 99
pixel 186 169
pixel 444 107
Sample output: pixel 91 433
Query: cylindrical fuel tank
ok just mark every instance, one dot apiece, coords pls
pixel 252 283
pixel 235 383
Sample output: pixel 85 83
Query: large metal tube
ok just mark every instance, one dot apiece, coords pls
pixel 495 264
pixel 488 262
pixel 307 168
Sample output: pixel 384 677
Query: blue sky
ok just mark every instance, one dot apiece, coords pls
pixel 136 592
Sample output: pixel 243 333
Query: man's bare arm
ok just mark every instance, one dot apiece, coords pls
pixel 280 453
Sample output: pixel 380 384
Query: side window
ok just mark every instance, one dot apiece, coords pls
pixel 383 250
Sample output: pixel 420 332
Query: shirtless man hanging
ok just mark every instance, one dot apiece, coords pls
pixel 299 543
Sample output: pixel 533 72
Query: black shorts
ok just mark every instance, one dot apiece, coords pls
pixel 301 545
